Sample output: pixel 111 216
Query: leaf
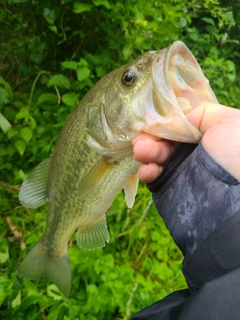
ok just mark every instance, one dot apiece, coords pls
pixel 82 63
pixel 70 99
pixel 23 113
pixel 70 65
pixel 8 88
pixel 4 123
pixel 3 96
pixel 50 15
pixel 17 301
pixel 12 132
pixel 37 57
pixel 53 291
pixel 83 73
pixel 79 7
pixel 209 21
pixel 59 80
pixel 53 28
pixel 127 50
pixel 26 134
pixel 182 22
pixel 4 256
pixel 102 3
pixel 47 97
pixel 20 146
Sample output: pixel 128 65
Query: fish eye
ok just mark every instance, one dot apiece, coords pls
pixel 128 78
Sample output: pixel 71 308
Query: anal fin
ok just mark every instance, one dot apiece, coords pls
pixel 93 236
pixel 130 189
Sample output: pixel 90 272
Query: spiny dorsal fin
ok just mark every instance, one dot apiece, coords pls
pixel 130 189
pixel 33 192
pixel 95 176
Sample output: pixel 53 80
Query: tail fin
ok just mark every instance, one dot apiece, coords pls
pixel 39 263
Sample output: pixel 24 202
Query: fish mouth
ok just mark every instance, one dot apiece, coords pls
pixel 178 85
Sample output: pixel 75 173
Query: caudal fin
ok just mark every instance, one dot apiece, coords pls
pixel 38 263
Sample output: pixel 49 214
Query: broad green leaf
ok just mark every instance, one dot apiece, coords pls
pixel 32 123
pixel 182 22
pixel 26 134
pixel 127 50
pixel 3 96
pixel 4 123
pixel 29 285
pixel 12 132
pixel 70 99
pixel 209 20
pixel 8 88
pixel 82 63
pixel 60 81
pixel 17 301
pixel 70 65
pixel 3 294
pixel 47 97
pixel 4 256
pixel 79 7
pixel 54 292
pixel 11 150
pixel 104 3
pixel 37 57
pixel 30 300
pixel 20 146
pixel 54 29
pixel 50 15
pixel 23 113
pixel 83 73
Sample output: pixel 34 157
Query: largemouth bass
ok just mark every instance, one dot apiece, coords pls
pixel 93 158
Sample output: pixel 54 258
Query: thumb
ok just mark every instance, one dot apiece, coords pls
pixel 221 128
pixel 207 114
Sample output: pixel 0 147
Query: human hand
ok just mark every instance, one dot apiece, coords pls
pixel 221 128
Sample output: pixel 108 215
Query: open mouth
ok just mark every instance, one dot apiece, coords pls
pixel 178 86
pixel 186 78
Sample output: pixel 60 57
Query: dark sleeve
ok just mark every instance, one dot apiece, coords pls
pixel 200 204
pixel 216 300
pixel 194 195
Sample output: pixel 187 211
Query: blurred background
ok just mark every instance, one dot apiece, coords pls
pixel 51 54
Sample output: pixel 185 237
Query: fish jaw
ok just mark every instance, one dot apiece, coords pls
pixel 177 84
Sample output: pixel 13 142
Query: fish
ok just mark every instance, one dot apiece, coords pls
pixel 93 159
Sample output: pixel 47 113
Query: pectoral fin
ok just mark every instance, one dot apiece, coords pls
pixel 130 189
pixel 95 176
pixel 93 236
pixel 33 192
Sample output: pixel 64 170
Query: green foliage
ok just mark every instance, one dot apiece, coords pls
pixel 51 53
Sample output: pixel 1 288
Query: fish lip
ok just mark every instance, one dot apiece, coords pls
pixel 167 109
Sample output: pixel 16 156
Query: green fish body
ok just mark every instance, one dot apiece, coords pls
pixel 93 159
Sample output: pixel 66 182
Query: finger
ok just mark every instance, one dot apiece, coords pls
pixel 149 172
pixel 149 151
pixel 145 136
pixel 208 114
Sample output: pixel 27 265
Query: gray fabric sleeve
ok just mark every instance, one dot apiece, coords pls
pixel 197 198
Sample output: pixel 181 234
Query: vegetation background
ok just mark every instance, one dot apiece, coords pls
pixel 51 53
